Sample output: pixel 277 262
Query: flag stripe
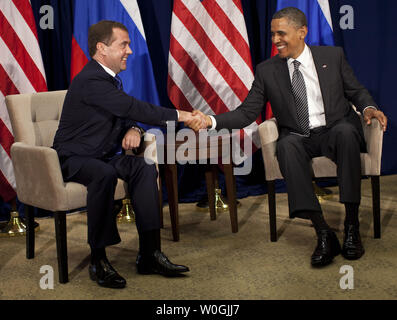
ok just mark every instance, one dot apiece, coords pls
pixel 27 35
pixel 212 75
pixel 238 5
pixel 6 138
pixel 217 59
pixel 177 97
pixel 7 191
pixel 199 81
pixel 228 29
pixel 20 54
pixel 14 70
pixel 131 6
pixel 21 71
pixel 78 59
pixel 187 88
pixel 219 42
pixel 24 9
pixel 4 115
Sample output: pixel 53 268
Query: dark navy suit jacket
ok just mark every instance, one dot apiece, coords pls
pixel 96 115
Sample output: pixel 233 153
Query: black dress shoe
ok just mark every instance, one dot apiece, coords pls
pixel 327 248
pixel 352 248
pixel 105 275
pixel 158 263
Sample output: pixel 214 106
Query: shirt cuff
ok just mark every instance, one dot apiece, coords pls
pixel 213 123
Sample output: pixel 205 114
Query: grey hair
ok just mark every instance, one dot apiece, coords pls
pixel 294 16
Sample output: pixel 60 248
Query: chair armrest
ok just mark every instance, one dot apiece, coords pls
pixel 268 134
pixel 373 135
pixel 38 175
pixel 268 131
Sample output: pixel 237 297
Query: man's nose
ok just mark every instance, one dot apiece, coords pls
pixel 129 51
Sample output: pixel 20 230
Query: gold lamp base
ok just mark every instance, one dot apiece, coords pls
pixel 15 227
pixel 220 204
pixel 126 214
pixel 322 193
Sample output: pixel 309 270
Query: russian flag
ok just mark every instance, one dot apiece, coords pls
pixel 319 22
pixel 138 79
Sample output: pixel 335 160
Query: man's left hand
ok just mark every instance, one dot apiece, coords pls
pixel 370 113
pixel 132 139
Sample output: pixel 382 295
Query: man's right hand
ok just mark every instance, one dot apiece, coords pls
pixel 206 121
pixel 195 120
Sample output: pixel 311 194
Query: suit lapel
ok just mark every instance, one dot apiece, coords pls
pixel 281 74
pixel 322 68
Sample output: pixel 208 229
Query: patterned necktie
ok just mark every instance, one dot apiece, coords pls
pixel 300 96
pixel 119 82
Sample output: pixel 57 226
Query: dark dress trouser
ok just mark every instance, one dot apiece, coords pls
pixel 100 178
pixel 341 144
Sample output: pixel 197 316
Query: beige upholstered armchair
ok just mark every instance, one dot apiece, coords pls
pixel 34 119
pixel 323 167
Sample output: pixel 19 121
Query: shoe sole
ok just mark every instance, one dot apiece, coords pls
pixel 173 274
pixel 352 257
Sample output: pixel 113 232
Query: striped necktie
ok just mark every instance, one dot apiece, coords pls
pixel 300 97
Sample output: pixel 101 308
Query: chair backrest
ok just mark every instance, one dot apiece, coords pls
pixel 35 116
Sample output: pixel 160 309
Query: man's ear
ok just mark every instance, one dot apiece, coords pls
pixel 100 47
pixel 303 32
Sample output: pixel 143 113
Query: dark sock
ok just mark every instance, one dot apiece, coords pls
pixel 351 214
pixel 97 254
pixel 318 221
pixel 149 241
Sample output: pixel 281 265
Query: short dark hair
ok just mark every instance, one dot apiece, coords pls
pixel 102 32
pixel 294 15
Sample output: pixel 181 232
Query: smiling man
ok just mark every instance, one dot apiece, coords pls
pixel 98 122
pixel 311 90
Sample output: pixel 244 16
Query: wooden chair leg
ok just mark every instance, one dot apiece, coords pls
pixel 231 195
pixel 30 233
pixel 161 202
pixel 61 240
pixel 210 181
pixel 376 205
pixel 171 181
pixel 271 192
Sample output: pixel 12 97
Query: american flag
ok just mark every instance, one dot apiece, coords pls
pixel 21 71
pixel 209 66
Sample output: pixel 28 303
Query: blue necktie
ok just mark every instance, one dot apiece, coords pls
pixel 119 149
pixel 119 82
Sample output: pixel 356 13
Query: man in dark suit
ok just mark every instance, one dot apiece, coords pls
pixel 311 90
pixel 97 122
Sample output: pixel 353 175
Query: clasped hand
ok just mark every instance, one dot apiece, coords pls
pixel 195 120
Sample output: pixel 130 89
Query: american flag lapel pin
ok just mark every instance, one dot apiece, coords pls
pixel 324 66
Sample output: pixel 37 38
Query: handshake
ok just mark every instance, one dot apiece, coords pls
pixel 195 120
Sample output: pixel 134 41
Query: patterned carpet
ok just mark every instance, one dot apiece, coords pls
pixel 240 266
